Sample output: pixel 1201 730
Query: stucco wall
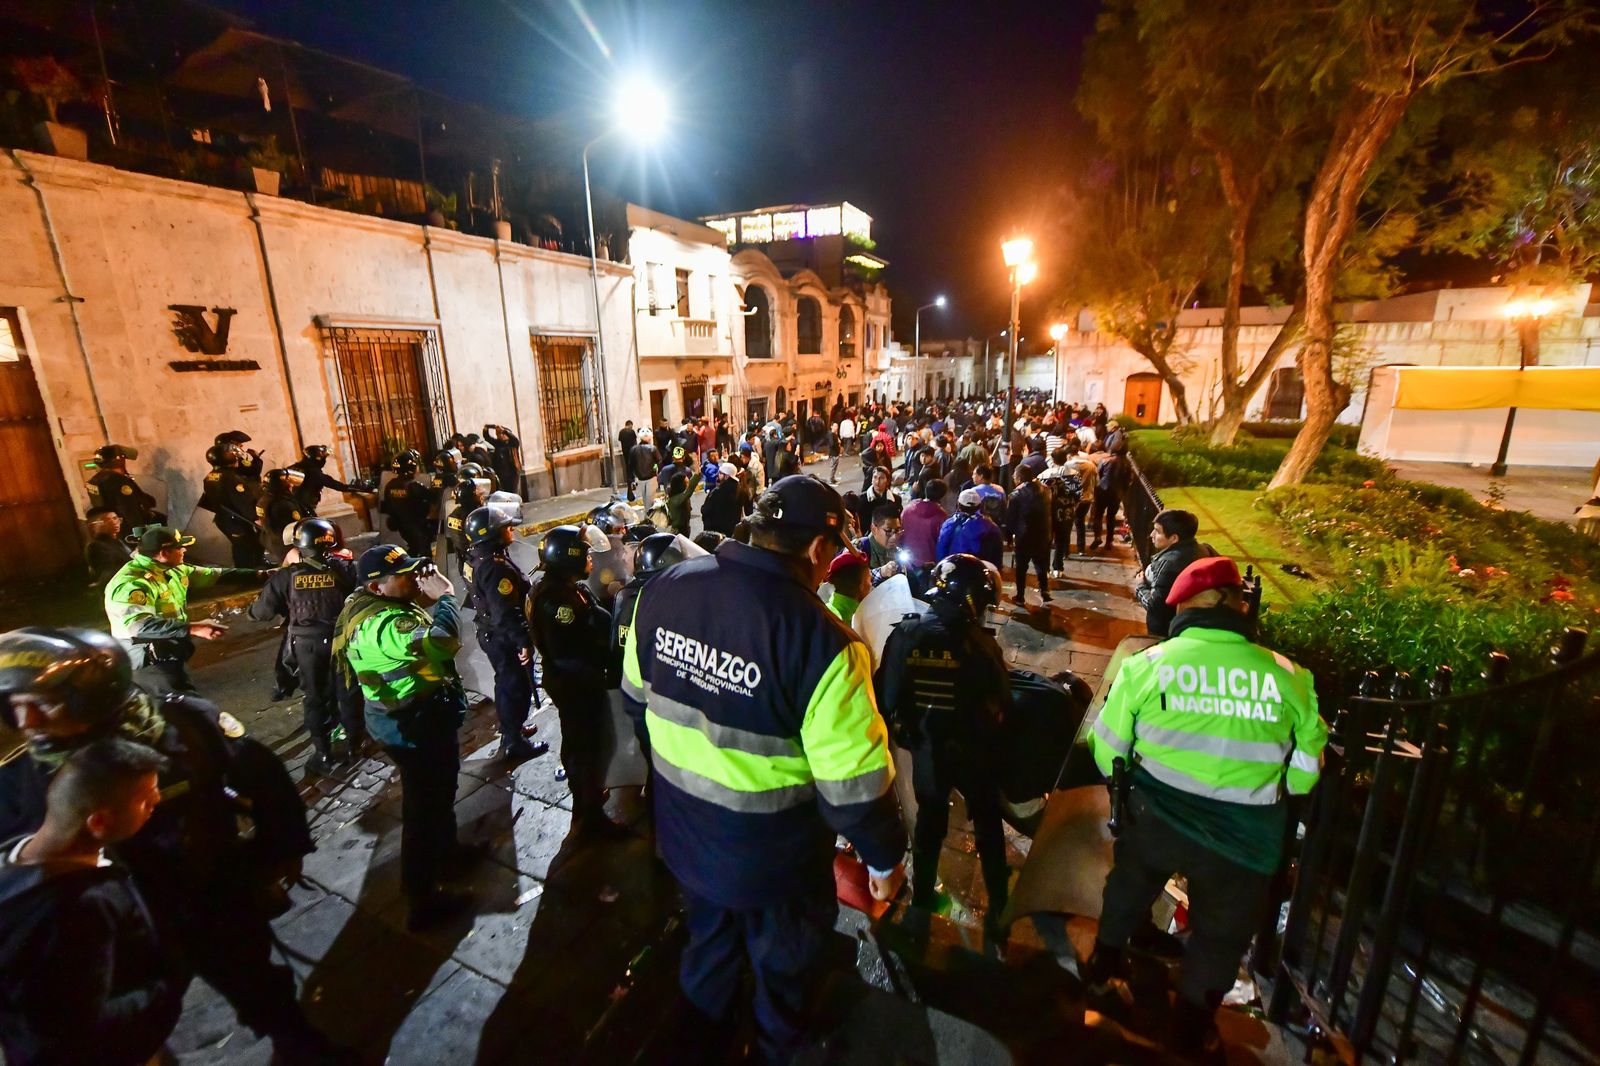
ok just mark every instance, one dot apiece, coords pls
pixel 130 245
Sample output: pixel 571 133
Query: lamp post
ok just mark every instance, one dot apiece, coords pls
pixel 1018 253
pixel 638 112
pixel 1057 332
pixel 1528 315
pixel 916 347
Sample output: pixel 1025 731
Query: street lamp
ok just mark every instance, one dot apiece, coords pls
pixel 1528 315
pixel 639 112
pixel 1057 332
pixel 916 347
pixel 1018 253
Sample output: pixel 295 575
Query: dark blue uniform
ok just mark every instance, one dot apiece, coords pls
pixel 406 502
pixel 310 595
pixel 573 634
pixel 499 590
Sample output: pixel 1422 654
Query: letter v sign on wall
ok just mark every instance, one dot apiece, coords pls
pixel 195 333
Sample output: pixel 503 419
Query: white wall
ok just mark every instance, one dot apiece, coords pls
pixel 130 245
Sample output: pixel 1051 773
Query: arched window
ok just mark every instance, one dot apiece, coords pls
pixel 810 326
pixel 757 324
pixel 847 333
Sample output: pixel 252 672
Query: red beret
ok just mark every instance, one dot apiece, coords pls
pixel 844 561
pixel 1214 572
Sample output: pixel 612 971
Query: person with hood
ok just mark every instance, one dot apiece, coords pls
pixel 84 975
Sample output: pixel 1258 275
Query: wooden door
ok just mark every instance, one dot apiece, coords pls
pixel 38 523
pixel 1142 397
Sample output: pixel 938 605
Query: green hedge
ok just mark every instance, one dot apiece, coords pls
pixel 1183 457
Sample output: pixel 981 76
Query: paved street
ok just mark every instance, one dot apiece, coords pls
pixel 571 953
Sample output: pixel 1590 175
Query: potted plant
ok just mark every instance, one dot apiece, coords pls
pixel 267 165
pixel 55 85
pixel 441 208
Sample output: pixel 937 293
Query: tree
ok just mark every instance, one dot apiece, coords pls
pixel 1142 227
pixel 1362 63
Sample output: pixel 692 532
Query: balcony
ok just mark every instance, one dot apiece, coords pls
pixel 683 338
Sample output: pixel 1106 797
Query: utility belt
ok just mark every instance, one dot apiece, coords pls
pixel 320 630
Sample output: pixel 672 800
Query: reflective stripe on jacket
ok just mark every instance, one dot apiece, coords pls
pixel 1213 715
pixel 764 734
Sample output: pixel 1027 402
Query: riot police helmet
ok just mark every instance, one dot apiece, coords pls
pixel 564 550
pixel 214 455
pixel 111 454
pixel 472 492
pixel 232 436
pixel 406 462
pixel 284 480
pixel 478 470
pixel 73 682
pixel 657 552
pixel 604 520
pixel 315 453
pixel 965 581
pixel 446 460
pixel 639 531
pixel 486 522
pixel 318 537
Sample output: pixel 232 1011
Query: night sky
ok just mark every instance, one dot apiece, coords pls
pixel 950 123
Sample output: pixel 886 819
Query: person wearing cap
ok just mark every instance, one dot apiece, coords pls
pixel 851 579
pixel 414 704
pixel 106 552
pixel 147 604
pixel 309 594
pixel 1218 733
pixel 315 479
pixel 207 884
pixel 677 465
pixel 230 492
pixel 723 506
pixel 765 744
pixel 499 588
pixel 945 689
pixel 971 532
pixel 112 487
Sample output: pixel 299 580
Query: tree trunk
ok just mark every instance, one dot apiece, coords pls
pixel 1234 401
pixel 1225 428
pixel 1325 397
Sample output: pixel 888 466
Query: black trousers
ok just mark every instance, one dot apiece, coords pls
pixel 245 541
pixel 936 772
pixel 783 944
pixel 285 672
pixel 581 705
pixel 228 942
pixel 514 684
pixel 417 537
pixel 1063 544
pixel 427 805
pixel 161 676
pixel 329 701
pixel 1225 900
pixel 1106 503
pixel 1036 555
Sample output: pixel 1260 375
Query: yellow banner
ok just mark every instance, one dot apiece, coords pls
pixel 1461 388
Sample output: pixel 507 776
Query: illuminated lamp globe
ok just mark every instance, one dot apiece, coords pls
pixel 641 110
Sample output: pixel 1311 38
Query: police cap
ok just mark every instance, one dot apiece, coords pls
pixel 110 453
pixel 387 560
pixel 805 501
pixel 155 539
pixel 232 436
pixel 1202 575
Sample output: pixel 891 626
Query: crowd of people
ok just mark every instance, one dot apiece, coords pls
pixel 146 840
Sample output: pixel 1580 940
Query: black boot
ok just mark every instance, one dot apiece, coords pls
pixel 1194 1033
pixel 925 878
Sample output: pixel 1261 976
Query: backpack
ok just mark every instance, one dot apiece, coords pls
pixel 1065 493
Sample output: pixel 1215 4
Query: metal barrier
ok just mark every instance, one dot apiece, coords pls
pixel 1140 505
pixel 1444 904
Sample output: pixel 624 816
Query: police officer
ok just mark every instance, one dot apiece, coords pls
pixel 414 703
pixel 279 509
pixel 230 494
pixel 765 742
pixel 500 589
pixel 573 634
pixel 206 885
pixel 943 687
pixel 654 554
pixel 478 470
pixel 406 502
pixel 1216 733
pixel 312 465
pixel 114 488
pixel 309 594
pixel 250 461
pixel 445 469
pixel 147 604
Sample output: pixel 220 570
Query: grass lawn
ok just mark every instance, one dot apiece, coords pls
pixel 1231 522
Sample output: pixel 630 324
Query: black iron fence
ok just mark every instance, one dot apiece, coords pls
pixel 1140 505
pixel 1444 903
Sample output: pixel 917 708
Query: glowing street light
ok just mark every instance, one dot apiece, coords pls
pixel 640 112
pixel 1018 253
pixel 1528 315
pixel 916 346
